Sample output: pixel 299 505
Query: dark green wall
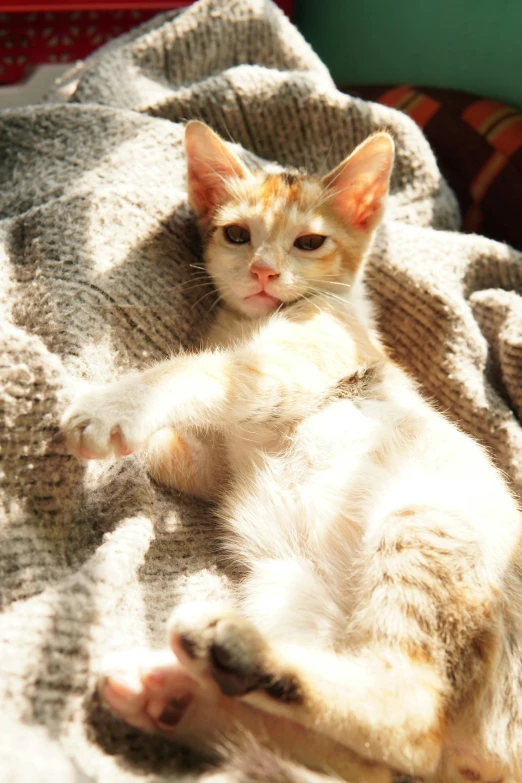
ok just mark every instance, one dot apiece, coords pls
pixel 473 45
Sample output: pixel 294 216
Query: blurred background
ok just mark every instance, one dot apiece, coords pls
pixel 453 66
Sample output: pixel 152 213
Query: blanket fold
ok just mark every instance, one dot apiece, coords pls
pixel 97 254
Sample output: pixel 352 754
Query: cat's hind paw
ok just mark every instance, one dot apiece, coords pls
pixel 148 690
pixel 225 648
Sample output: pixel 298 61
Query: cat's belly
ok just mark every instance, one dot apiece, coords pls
pixel 313 473
pixel 291 510
pixel 249 445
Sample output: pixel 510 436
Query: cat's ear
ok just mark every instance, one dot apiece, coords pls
pixel 359 185
pixel 210 167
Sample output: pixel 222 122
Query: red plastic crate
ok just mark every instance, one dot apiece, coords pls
pixel 83 5
pixel 62 31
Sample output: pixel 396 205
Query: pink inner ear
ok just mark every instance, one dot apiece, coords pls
pixel 207 181
pixel 210 167
pixel 363 206
pixel 359 184
pixel 205 196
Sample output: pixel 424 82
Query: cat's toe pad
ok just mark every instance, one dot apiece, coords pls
pixel 93 437
pixel 218 645
pixel 108 420
pixel 227 649
pixel 148 690
pixel 237 657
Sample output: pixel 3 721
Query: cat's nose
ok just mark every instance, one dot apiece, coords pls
pixel 265 274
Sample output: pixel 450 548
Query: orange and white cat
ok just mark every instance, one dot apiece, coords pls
pixel 379 624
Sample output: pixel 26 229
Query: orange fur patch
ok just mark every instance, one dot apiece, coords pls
pixel 417 652
pixel 174 465
pixel 279 186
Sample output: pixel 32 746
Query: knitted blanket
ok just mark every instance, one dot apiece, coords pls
pixel 96 247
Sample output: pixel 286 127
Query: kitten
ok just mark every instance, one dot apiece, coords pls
pixel 379 626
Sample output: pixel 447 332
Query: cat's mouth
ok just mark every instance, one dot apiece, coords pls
pixel 265 300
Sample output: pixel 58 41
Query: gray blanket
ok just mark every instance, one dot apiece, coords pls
pixel 96 247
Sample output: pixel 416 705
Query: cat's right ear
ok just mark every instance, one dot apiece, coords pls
pixel 210 168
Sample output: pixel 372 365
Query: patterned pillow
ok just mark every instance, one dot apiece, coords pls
pixel 478 144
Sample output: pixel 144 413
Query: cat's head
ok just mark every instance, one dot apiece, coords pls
pixel 273 238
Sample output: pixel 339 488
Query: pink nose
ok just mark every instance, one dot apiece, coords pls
pixel 264 273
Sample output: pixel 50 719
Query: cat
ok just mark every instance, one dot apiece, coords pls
pixel 378 629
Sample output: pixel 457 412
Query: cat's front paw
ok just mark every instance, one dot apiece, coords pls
pixel 227 649
pixel 105 421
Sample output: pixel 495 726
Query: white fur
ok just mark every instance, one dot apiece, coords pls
pixel 317 485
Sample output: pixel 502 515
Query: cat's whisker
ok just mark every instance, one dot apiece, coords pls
pixel 324 293
pixel 322 200
pixel 192 280
pixel 325 279
pixel 189 285
pixel 185 290
pixel 202 279
pixel 324 163
pixel 314 303
pixel 230 137
pixel 208 293
pixel 330 295
pixel 219 299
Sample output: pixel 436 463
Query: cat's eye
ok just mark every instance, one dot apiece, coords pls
pixel 309 242
pixel 237 235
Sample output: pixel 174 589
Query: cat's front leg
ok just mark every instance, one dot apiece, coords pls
pixel 119 417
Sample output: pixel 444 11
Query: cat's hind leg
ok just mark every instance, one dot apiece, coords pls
pixel 153 691
pixel 360 702
pixel 184 461
pixel 425 640
pixel 287 599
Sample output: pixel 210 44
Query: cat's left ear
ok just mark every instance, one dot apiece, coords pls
pixel 359 185
pixel 210 168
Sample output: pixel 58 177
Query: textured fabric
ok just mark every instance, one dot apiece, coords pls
pixel 478 144
pixel 96 247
